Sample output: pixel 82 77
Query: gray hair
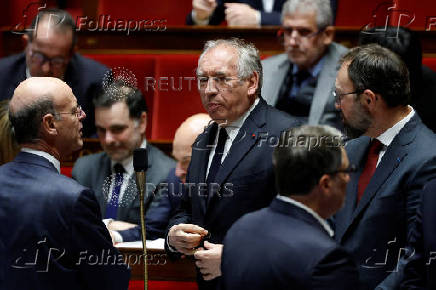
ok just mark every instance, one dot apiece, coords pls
pixel 26 122
pixel 322 8
pixel 248 57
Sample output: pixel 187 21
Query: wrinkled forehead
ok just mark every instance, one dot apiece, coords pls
pixel 220 59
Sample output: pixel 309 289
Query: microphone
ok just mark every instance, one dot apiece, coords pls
pixel 140 165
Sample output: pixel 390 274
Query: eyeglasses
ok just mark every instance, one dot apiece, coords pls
pixel 39 59
pixel 78 112
pixel 349 169
pixel 338 97
pixel 301 33
pixel 221 82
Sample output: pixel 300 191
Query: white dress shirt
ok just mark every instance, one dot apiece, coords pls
pixel 388 136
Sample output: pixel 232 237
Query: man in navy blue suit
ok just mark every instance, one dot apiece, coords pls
pixel 230 172
pixel 289 245
pixel 50 52
pixel 394 159
pixel 54 238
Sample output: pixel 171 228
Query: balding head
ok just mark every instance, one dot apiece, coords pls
pixel 36 109
pixel 183 140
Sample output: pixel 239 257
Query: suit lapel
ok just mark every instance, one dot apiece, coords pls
pixel 323 92
pixel 247 137
pixel 392 158
pixel 279 76
pixel 104 180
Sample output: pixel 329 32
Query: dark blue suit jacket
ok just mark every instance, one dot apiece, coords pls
pixel 83 75
pixel 246 178
pixel 420 272
pixel 52 234
pixel 376 230
pixel 284 247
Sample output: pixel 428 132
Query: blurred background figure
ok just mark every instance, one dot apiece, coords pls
pixel 300 81
pixel 8 146
pixel 51 52
pixel 170 192
pixel 252 13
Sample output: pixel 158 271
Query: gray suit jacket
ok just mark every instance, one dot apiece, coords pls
pixel 323 109
pixel 94 171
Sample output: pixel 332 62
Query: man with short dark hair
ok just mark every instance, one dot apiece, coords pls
pixel 121 121
pixel 394 162
pixel 50 52
pixel 289 245
pixel 300 81
pixel 230 172
pixel 52 233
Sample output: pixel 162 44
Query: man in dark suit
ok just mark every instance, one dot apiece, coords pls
pixel 54 238
pixel 50 52
pixel 420 272
pixel 301 80
pixel 121 121
pixel 289 245
pixel 235 176
pixel 394 162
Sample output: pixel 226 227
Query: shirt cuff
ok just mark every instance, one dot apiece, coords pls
pixel 107 221
pixel 117 237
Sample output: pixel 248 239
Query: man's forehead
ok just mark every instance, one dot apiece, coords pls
pixel 300 19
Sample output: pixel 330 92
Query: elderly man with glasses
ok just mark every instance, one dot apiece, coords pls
pixel 231 172
pixel 50 52
pixel 300 81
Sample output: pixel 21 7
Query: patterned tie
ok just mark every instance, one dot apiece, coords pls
pixel 370 166
pixel 112 205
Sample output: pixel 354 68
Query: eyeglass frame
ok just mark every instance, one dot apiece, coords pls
pixel 338 97
pixel 78 112
pixel 350 169
pixel 46 58
pixel 216 80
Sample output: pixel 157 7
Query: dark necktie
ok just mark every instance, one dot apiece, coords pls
pixel 370 166
pixel 216 161
pixel 112 205
pixel 300 77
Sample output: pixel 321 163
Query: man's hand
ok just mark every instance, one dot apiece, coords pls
pixel 203 9
pixel 208 260
pixel 185 237
pixel 238 14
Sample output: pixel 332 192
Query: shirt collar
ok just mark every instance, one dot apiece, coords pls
pixel 388 136
pixel 323 223
pixel 28 73
pixel 314 71
pixel 233 128
pixel 128 162
pixel 45 155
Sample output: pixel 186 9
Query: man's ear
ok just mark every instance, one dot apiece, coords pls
pixel 325 183
pixel 48 126
pixel 369 99
pixel 253 83
pixel 143 122
pixel 329 35
pixel 25 39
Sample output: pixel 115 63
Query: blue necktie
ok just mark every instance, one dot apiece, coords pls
pixel 112 205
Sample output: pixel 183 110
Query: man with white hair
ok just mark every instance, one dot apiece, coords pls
pixel 301 80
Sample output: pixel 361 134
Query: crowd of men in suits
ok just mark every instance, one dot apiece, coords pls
pixel 254 214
